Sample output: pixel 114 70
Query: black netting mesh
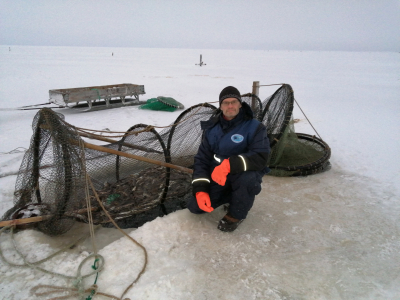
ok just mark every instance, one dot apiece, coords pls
pixel 51 176
pixel 51 180
pixel 277 112
pixel 256 105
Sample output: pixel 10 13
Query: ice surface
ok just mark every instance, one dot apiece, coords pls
pixel 333 235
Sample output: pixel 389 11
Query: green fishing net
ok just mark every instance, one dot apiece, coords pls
pixel 163 104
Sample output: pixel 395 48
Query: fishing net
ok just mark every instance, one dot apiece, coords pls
pixel 162 103
pixel 276 113
pixel 51 176
pixel 292 154
pixel 298 154
pixel 52 180
pixel 255 104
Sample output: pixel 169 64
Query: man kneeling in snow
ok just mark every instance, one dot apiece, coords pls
pixel 231 161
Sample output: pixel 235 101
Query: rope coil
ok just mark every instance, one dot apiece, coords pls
pixel 78 290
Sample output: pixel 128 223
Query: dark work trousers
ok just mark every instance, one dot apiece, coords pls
pixel 239 192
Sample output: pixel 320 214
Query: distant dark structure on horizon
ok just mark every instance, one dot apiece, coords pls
pixel 201 62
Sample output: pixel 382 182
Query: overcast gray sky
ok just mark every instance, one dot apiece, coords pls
pixel 350 25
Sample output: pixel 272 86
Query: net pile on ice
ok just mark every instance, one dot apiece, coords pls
pixel 162 103
pixel 52 177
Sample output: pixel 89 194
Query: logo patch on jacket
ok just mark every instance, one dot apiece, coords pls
pixel 237 138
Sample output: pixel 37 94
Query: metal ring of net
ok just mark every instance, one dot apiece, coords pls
pixel 185 135
pixel 303 154
pixel 143 144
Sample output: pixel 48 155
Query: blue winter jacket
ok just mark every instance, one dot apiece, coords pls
pixel 243 140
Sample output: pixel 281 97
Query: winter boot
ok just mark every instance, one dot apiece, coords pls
pixel 228 223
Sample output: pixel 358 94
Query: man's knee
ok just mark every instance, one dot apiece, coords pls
pixel 249 181
pixel 193 207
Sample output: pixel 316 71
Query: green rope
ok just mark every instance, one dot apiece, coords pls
pixel 94 267
pixel 78 279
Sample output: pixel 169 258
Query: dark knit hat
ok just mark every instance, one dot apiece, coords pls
pixel 229 92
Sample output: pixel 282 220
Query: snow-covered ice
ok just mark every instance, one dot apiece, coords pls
pixel 333 235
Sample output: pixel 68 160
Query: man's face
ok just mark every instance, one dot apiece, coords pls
pixel 230 107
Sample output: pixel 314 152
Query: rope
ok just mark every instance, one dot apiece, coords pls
pixel 16 150
pixel 147 129
pixel 298 106
pixel 89 182
pixel 90 217
pixel 308 119
pixel 72 292
pixel 33 264
pixel 272 84
pixel 123 232
pixel 77 291
pixel 78 278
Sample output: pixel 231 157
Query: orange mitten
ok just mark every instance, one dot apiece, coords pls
pixel 204 202
pixel 220 172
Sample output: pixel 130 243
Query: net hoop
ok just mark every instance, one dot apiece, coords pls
pixel 178 123
pixel 326 154
pixel 257 110
pixel 274 134
pixel 128 133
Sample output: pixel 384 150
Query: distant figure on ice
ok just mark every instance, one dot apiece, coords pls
pixel 201 62
pixel 231 161
pixel 112 53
